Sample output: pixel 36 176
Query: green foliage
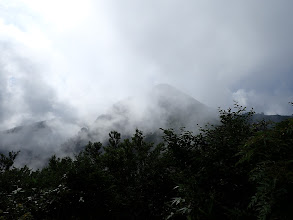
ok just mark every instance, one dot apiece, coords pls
pixel 6 162
pixel 269 156
pixel 232 170
pixel 208 180
pixel 137 170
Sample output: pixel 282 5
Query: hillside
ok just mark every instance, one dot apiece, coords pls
pixel 162 107
pixel 232 170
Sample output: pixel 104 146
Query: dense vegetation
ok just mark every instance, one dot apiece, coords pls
pixel 235 170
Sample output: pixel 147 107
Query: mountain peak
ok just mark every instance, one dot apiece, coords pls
pixel 166 88
pixel 169 93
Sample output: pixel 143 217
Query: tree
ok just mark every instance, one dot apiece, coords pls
pixel 6 162
pixel 209 184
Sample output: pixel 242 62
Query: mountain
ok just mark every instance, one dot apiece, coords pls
pixel 271 118
pixel 162 107
pixel 36 141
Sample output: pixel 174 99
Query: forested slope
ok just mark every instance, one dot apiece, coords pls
pixel 234 170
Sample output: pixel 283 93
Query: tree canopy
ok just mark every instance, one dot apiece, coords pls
pixel 234 170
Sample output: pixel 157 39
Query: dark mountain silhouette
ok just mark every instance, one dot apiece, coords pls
pixel 271 118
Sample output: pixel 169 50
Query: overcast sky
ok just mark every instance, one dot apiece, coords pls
pixel 72 59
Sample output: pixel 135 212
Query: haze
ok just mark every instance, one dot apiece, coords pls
pixel 72 59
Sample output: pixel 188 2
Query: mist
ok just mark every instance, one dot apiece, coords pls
pixel 70 61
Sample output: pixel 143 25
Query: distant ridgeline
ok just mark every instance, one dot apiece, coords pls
pixel 273 118
pixel 163 107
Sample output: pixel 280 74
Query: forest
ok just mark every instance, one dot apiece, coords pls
pixel 237 169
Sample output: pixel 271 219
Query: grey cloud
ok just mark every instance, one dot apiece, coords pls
pixel 25 99
pixel 215 51
pixel 211 46
pixel 37 141
pixel 24 91
pixel 209 49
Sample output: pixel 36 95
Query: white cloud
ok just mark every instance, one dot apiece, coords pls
pixel 90 54
pixel 241 96
pixel 268 103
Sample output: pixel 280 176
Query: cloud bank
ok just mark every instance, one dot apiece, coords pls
pixel 73 59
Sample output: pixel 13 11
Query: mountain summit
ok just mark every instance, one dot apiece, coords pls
pixel 162 107
pixel 180 107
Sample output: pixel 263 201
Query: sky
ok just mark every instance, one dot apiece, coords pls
pixel 73 59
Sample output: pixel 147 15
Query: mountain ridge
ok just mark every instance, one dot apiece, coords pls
pixel 162 107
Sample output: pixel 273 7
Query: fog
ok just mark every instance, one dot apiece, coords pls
pixel 72 60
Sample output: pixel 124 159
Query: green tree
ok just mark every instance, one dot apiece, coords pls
pixel 268 155
pixel 209 184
